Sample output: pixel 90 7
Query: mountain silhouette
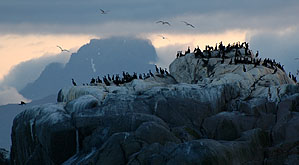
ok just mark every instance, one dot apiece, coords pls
pixel 97 58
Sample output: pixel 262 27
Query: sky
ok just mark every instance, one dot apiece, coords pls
pixel 31 30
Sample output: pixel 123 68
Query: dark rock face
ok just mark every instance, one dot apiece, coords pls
pixel 4 157
pixel 158 122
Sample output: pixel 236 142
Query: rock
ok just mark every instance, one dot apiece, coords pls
pixel 204 112
pixel 4 157
pixel 228 125
pixel 44 133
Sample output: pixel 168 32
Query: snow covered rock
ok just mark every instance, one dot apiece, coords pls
pixel 207 111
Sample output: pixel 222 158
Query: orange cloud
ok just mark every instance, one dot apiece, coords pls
pixel 18 48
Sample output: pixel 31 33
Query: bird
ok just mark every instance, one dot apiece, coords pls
pixel 164 23
pixel 257 54
pixel 188 24
pixel 150 72
pixel 22 103
pixel 166 71
pixel 104 12
pixel 63 50
pixel 222 61
pixel 244 69
pixel 275 70
pixel 74 83
pixel 157 69
pixel 163 37
pixel 231 61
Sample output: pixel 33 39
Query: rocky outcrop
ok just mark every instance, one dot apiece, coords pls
pixel 202 113
pixel 4 157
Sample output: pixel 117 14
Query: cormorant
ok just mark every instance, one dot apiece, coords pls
pixel 22 103
pixel 109 78
pixel 244 69
pixel 166 71
pixel 161 71
pixel 140 76
pixel 157 69
pixel 92 81
pixel 150 72
pixel 257 54
pixel 231 61
pixel 275 70
pixel 106 81
pixel 74 83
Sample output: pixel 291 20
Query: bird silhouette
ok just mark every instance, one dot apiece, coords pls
pixel 104 12
pixel 74 83
pixel 63 50
pixel 188 24
pixel 163 37
pixel 22 103
pixel 244 68
pixel 164 23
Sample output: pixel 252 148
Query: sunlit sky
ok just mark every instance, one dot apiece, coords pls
pixel 32 29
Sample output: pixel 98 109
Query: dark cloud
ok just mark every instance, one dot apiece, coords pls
pixel 84 16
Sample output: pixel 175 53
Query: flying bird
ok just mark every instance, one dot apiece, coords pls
pixel 188 24
pixel 63 50
pixel 163 37
pixel 163 22
pixel 104 12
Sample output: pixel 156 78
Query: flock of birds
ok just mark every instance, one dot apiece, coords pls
pixel 207 53
pixel 248 58
pixel 220 51
pixel 126 78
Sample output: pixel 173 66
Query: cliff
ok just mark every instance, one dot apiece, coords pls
pixel 206 111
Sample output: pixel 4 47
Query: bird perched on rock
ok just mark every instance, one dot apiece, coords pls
pixel 22 103
pixel 275 70
pixel 157 69
pixel 74 83
pixel 166 71
pixel 231 61
pixel 150 72
pixel 244 69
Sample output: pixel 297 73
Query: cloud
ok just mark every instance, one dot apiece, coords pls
pixel 28 71
pixel 84 17
pixel 9 95
pixel 281 46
